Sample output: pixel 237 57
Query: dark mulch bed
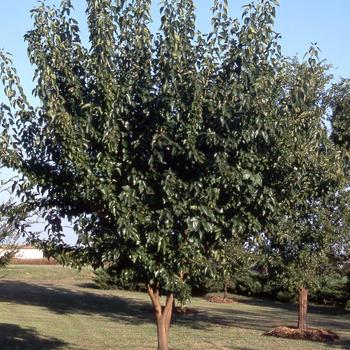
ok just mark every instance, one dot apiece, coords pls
pixel 221 300
pixel 183 310
pixel 177 310
pixel 313 334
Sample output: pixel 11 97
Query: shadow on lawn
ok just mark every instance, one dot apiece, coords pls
pixel 323 310
pixel 344 343
pixel 65 301
pixel 127 310
pixel 15 337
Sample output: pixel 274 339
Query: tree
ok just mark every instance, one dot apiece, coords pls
pixel 234 259
pixel 159 148
pixel 339 101
pixel 8 235
pixel 138 139
pixel 309 188
pixel 13 221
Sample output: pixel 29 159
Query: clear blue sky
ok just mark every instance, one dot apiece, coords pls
pixel 299 21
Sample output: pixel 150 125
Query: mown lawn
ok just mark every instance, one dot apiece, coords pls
pixel 51 307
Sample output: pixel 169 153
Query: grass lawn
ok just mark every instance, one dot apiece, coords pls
pixel 51 307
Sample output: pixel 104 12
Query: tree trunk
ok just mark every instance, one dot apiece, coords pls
pixel 225 291
pixel 163 316
pixel 302 309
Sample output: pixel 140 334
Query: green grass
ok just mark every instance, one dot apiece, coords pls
pixel 51 307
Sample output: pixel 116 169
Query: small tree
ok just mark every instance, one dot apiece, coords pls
pixel 339 101
pixel 8 235
pixel 13 222
pixel 234 259
pixel 309 187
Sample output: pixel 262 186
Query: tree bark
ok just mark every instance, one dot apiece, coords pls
pixel 302 309
pixel 163 316
pixel 225 291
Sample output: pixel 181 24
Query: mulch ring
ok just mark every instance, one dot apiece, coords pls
pixel 183 310
pixel 313 334
pixel 177 310
pixel 221 300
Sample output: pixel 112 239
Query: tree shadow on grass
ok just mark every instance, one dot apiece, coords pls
pixel 334 318
pixel 62 301
pixel 133 311
pixel 276 313
pixel 288 306
pixel 271 313
pixel 89 285
pixel 269 316
pixel 345 343
pixel 13 337
pixel 204 319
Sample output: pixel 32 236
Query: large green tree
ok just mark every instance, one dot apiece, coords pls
pixel 153 145
pixel 158 147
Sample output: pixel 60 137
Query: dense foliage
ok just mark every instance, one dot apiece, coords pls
pixel 157 146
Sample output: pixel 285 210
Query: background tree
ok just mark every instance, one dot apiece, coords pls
pixel 9 233
pixel 234 260
pixel 309 184
pixel 339 101
pixel 14 219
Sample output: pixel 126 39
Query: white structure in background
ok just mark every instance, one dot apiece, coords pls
pixel 29 252
pixel 25 253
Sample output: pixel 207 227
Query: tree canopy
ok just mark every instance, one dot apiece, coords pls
pixel 153 145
